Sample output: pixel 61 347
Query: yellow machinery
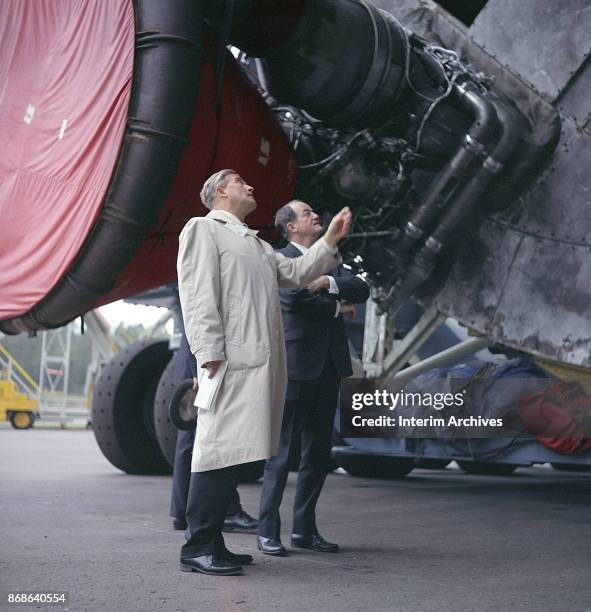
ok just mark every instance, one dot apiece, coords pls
pixel 19 408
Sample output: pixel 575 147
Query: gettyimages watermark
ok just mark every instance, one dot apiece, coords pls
pixel 460 408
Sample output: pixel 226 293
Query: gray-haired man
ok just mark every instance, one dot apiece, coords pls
pixel 228 285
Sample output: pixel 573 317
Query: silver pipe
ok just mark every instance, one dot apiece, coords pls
pixel 445 358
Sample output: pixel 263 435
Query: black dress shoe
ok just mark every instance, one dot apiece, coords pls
pixel 240 521
pixel 271 546
pixel 179 524
pixel 236 559
pixel 313 542
pixel 210 564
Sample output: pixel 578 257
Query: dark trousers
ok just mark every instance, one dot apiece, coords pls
pixel 181 476
pixel 210 493
pixel 308 416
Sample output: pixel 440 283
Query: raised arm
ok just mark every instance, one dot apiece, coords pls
pixel 322 256
pixel 299 271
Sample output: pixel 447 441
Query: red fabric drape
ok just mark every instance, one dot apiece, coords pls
pixel 65 81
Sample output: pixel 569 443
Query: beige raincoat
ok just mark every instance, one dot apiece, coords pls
pixel 228 282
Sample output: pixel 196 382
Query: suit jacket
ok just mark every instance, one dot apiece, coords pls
pixel 312 332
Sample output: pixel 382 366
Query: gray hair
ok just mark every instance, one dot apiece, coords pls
pixel 286 214
pixel 211 185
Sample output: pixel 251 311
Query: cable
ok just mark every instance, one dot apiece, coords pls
pixel 450 83
pixel 407 49
pixel 335 154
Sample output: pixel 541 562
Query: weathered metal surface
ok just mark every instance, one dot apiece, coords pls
pixel 525 278
pixel 474 288
pixel 529 293
pixel 558 205
pixel 544 306
pixel 575 101
pixel 543 41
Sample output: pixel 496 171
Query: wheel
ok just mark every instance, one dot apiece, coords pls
pixel 123 408
pixel 183 416
pixel 372 466
pixel 572 467
pixel 21 419
pixel 164 427
pixel 181 408
pixel 483 468
pixel 432 464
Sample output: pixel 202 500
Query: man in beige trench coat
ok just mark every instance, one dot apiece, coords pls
pixel 228 285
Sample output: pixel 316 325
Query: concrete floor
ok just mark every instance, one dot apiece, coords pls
pixel 436 540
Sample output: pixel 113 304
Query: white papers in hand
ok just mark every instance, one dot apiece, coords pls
pixel 209 387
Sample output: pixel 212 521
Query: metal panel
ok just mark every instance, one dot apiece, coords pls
pixel 575 101
pixel 559 204
pixel 524 278
pixel 474 288
pixel 543 41
pixel 544 308
pixel 430 21
pixel 532 294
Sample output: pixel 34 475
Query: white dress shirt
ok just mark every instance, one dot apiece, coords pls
pixel 333 288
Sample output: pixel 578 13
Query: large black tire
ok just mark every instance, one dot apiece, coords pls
pixel 182 411
pixel 165 429
pixel 123 408
pixel 372 466
pixel 22 419
pixel 571 467
pixel 482 468
pixel 432 464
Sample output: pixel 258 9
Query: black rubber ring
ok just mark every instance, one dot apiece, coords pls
pixel 175 405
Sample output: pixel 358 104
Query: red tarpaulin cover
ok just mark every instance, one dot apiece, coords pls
pixel 65 81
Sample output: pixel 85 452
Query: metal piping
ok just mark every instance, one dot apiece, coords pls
pixel 485 128
pixel 492 166
pixel 444 359
pixel 513 125
pixel 262 73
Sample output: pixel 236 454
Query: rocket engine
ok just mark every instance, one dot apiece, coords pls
pixel 402 130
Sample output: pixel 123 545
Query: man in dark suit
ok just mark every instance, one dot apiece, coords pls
pixel 317 358
pixel 236 518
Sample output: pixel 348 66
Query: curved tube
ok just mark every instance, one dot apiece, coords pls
pixel 514 125
pixel 484 128
pixel 513 129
